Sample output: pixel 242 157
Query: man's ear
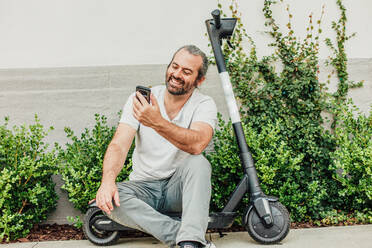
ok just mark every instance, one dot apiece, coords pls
pixel 200 81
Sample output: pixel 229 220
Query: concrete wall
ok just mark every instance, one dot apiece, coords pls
pixel 64 33
pixel 71 96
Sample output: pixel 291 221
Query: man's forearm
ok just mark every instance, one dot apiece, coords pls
pixel 116 152
pixel 112 163
pixel 187 140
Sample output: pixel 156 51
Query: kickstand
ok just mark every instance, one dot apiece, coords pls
pixel 221 234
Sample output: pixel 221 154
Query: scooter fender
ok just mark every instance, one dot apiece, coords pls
pixel 92 204
pixel 258 209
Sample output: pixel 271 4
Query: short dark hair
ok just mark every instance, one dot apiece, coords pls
pixel 194 50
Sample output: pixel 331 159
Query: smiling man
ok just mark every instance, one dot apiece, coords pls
pixel 169 173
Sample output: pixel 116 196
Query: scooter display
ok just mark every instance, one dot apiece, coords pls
pixel 266 219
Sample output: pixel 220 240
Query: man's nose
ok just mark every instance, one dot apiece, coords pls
pixel 177 73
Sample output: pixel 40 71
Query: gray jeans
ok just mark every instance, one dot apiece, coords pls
pixel 188 191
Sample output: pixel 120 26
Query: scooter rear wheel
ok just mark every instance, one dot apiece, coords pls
pixel 98 237
pixel 275 233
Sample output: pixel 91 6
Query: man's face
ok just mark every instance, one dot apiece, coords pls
pixel 182 73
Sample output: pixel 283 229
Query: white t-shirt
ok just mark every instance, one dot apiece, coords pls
pixel 154 157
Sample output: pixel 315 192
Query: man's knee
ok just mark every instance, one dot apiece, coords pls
pixel 198 165
pixel 126 191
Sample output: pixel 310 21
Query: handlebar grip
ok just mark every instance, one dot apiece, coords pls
pixel 217 18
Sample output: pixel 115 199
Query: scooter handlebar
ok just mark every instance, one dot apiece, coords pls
pixel 217 18
pixel 219 29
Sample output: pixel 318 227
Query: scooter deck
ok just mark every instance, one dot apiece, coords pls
pixel 220 220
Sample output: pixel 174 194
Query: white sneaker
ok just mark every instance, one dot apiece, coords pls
pixel 191 245
pixel 210 245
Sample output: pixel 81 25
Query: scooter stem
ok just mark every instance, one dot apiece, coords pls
pixel 219 29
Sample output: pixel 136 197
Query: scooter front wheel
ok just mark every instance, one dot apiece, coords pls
pixel 94 235
pixel 274 234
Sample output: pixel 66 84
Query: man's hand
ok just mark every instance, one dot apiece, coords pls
pixel 105 194
pixel 148 114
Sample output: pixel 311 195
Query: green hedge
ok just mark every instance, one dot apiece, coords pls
pixel 81 162
pixel 27 192
pixel 353 158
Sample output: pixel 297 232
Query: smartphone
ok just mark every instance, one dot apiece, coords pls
pixel 144 91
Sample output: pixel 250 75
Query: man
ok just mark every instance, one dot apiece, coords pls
pixel 169 172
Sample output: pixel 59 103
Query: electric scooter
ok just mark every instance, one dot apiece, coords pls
pixel 266 219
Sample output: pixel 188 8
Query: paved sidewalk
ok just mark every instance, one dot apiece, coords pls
pixel 338 237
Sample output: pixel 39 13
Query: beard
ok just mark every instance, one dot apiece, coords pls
pixel 182 89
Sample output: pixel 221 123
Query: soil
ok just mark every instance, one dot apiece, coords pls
pixel 47 232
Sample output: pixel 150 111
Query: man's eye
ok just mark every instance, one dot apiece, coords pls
pixel 187 73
